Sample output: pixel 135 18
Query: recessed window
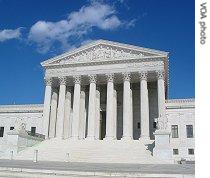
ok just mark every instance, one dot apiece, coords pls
pixel 191 151
pixel 154 125
pixel 175 151
pixel 11 128
pixel 33 131
pixel 138 125
pixel 189 130
pixel 1 131
pixel 174 131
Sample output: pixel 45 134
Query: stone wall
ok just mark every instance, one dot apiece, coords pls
pixel 181 112
pixel 31 114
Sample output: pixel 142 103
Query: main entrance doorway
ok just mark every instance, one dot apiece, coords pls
pixel 102 125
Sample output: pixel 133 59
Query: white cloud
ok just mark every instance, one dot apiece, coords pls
pixel 8 34
pixel 76 26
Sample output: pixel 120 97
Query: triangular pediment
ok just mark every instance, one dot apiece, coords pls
pixel 102 50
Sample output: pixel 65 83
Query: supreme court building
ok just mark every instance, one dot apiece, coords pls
pixel 104 102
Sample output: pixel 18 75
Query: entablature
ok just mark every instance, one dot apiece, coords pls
pixel 105 68
pixel 30 108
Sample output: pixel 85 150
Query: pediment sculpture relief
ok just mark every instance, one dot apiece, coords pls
pixel 100 53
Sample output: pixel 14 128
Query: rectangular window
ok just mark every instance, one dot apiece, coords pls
pixel 1 131
pixel 191 151
pixel 138 126
pixel 33 131
pixel 189 129
pixel 175 151
pixel 11 128
pixel 154 125
pixel 174 131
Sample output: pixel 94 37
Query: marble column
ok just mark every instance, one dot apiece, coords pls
pixel 109 107
pixel 127 123
pixel 82 123
pixel 92 108
pixel 144 102
pixel 115 115
pixel 131 112
pixel 53 113
pixel 76 107
pixel 61 108
pixel 46 111
pixel 97 121
pixel 67 114
pixel 161 93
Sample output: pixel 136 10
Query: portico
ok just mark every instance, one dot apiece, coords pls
pixel 127 83
pixel 104 102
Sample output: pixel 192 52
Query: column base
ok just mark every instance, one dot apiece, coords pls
pixel 109 138
pixel 90 138
pixel 47 138
pixel 126 138
pixel 145 138
pixel 60 137
pixel 74 138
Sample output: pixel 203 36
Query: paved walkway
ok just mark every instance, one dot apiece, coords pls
pixel 184 169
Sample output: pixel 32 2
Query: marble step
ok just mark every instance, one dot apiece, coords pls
pixel 89 151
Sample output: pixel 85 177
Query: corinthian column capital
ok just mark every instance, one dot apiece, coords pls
pixel 126 76
pixel 143 75
pixel 62 80
pixel 92 78
pixel 77 79
pixel 48 81
pixel 110 77
pixel 160 74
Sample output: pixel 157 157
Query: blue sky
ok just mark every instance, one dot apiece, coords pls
pixel 35 30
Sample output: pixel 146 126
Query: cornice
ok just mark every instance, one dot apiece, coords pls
pixel 190 100
pixel 33 108
pixel 180 103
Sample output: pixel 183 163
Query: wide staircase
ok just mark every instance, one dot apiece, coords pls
pixel 98 151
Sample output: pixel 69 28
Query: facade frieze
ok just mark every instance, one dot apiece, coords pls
pixel 105 69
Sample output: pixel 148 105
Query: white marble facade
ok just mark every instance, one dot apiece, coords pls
pixel 108 91
pixel 127 78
